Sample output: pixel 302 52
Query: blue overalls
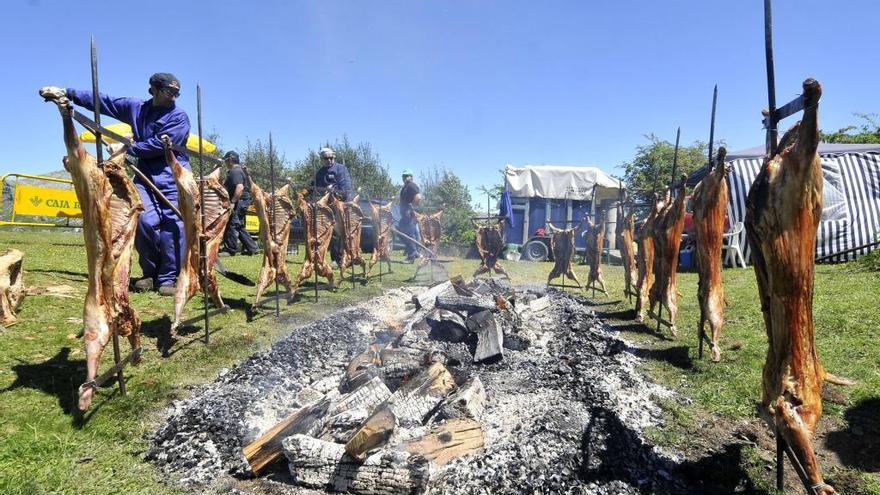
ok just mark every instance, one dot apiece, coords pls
pixel 160 240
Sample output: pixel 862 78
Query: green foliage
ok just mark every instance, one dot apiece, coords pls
pixel 867 132
pixel 441 188
pixel 652 165
pixel 366 169
pixel 870 262
pixel 255 157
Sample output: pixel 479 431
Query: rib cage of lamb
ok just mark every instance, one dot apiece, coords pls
pixel 595 235
pixel 349 219
pixel 625 243
pixel 274 212
pixel 216 216
pixel 562 245
pixel 783 210
pixel 317 215
pixel 490 243
pixel 710 205
pixel 668 227
pixel 645 259
pixel 381 216
pixel 111 208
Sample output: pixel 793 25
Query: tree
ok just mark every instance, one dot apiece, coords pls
pixel 366 169
pixel 652 165
pixel 868 132
pixel 256 158
pixel 441 188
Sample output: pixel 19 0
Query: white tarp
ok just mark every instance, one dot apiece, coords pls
pixel 559 182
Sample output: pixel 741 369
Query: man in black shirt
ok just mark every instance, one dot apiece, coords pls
pixel 238 186
pixel 409 197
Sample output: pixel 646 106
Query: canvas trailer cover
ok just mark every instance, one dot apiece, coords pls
pixel 558 194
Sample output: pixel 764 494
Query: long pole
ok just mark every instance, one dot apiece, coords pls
pixel 771 79
pixel 314 207
pixel 203 245
pixel 675 157
pixel 99 154
pixel 272 218
pixel 712 125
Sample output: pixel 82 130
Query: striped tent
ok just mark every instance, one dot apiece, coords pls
pixel 851 196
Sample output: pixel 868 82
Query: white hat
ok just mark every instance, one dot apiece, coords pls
pixel 327 153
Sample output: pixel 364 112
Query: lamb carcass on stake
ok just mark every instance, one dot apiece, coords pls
pixel 562 245
pixel 11 285
pixel 783 210
pixel 430 230
pixel 645 259
pixel 217 209
pixel 111 207
pixel 318 214
pixel 710 206
pixel 667 238
pixel 490 243
pixel 382 220
pixel 595 235
pixel 349 218
pixel 625 243
pixel 274 212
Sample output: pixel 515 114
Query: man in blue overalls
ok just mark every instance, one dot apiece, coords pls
pixel 333 175
pixel 159 240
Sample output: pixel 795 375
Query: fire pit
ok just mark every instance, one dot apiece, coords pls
pixel 462 388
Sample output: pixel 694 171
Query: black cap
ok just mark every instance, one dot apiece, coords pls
pixel 164 80
pixel 231 155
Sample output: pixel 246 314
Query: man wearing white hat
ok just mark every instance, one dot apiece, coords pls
pixel 333 175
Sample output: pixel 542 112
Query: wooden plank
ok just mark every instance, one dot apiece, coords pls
pixel 490 338
pixel 373 434
pixel 412 402
pixel 264 450
pixel 426 299
pixel 447 441
pixel 464 303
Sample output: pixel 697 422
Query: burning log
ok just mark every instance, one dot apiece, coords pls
pixel 625 236
pixel 490 243
pixel 667 239
pixel 472 304
pixel 320 215
pixel 11 285
pixel 111 208
pixel 562 245
pixel 216 215
pixel 374 433
pixel 447 326
pixel 447 441
pixel 361 369
pixel 710 206
pixel 645 260
pixel 349 217
pixel 324 465
pixel 382 221
pixel 468 402
pixel 428 298
pixel 595 236
pixel 784 207
pixel 274 212
pixel 398 365
pixel 490 338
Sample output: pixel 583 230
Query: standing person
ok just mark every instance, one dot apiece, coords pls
pixel 159 240
pixel 409 197
pixel 238 186
pixel 333 175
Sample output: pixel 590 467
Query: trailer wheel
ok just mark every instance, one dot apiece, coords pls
pixel 536 250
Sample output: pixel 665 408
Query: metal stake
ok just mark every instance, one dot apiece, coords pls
pixel 780 449
pixel 99 155
pixel 675 158
pixel 272 218
pixel 203 245
pixel 771 79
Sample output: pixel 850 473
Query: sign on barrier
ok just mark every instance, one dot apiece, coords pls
pixel 251 223
pixel 45 202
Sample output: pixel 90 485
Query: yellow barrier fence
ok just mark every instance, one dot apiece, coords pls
pixel 30 200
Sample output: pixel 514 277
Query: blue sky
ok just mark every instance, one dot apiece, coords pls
pixel 466 85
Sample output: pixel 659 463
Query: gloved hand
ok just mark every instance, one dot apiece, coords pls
pixel 53 93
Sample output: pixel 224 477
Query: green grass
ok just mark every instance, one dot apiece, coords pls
pixel 43 450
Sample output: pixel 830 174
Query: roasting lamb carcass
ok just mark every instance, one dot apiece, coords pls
pixel 667 239
pixel 783 210
pixel 217 210
pixel 349 218
pixel 321 214
pixel 645 259
pixel 710 206
pixel 381 216
pixel 490 243
pixel 625 236
pixel 274 212
pixel 430 229
pixel 11 285
pixel 111 207
pixel 595 236
pixel 562 245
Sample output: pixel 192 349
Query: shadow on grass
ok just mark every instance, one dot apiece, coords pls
pixel 625 315
pixel 58 376
pixel 678 356
pixel 858 445
pixel 65 274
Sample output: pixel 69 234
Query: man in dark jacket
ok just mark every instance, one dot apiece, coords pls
pixel 160 236
pixel 238 186
pixel 409 197
pixel 335 176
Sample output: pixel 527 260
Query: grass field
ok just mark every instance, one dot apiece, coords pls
pixel 45 449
